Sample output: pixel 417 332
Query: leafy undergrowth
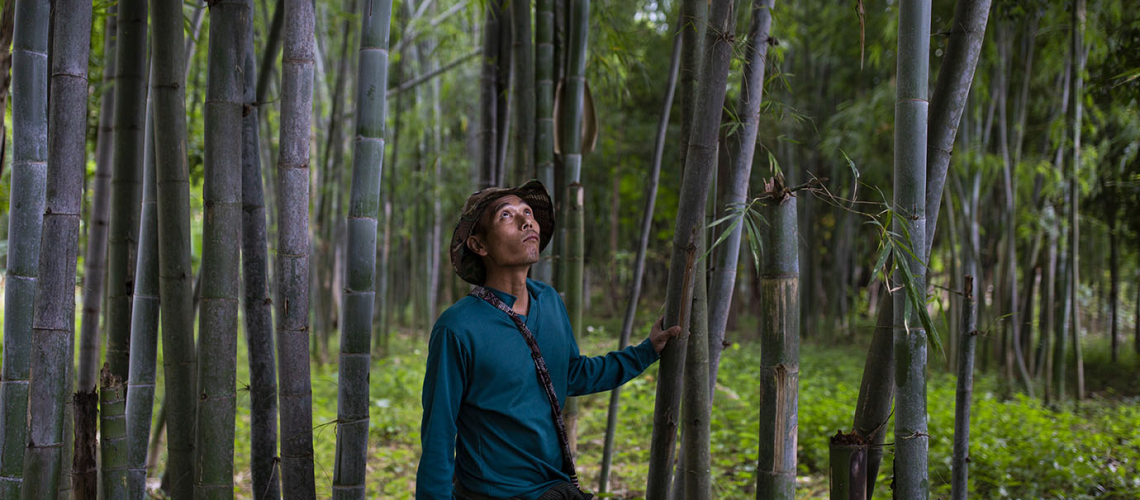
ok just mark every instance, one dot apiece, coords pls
pixel 1021 449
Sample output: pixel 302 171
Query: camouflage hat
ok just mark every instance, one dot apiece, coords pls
pixel 466 263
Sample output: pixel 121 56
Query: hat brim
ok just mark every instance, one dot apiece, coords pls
pixel 467 264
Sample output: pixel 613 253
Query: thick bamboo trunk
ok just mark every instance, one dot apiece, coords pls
pixel 524 72
pixel 691 479
pixel 911 436
pixel 961 459
pixel 953 87
pixel 53 319
pixel 700 163
pixel 544 118
pixel 1060 331
pixel 175 273
pixel 741 146
pixel 130 480
pixel 25 226
pixel 360 278
pixel 1114 286
pixel 573 200
pixel 639 260
pixel 779 344
pixel 488 97
pixel 257 306
pixel 292 276
pixel 221 238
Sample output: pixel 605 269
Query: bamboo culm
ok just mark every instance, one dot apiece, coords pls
pixel 961 458
pixel 780 345
pixel 257 307
pixel 693 465
pixel 53 320
pixel 574 196
pixel 176 277
pixel 360 271
pixel 524 85
pixel 700 161
pixel 742 146
pixel 144 328
pixel 25 226
pixel 639 260
pixel 221 234
pixel 292 264
pixel 544 117
pixel 911 106
pixel 876 390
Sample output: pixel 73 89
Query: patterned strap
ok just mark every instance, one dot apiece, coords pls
pixel 543 377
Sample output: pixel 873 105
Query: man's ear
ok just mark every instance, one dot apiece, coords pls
pixel 475 244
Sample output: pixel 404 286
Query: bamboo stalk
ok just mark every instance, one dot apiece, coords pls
pixel 144 329
pixel 256 302
pixel 961 459
pixel 780 344
pixel 360 273
pixel 26 211
pixel 911 436
pixel 544 118
pixel 176 277
pixel 221 237
pixel 53 320
pixel 639 260
pixel 297 480
pixel 700 162
pixel 847 467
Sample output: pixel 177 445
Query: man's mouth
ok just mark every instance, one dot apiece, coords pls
pixel 532 236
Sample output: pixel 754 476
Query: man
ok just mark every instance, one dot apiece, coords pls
pixel 490 429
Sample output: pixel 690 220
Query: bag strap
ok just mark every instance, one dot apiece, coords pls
pixel 543 377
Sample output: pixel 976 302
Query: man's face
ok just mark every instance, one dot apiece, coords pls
pixel 508 234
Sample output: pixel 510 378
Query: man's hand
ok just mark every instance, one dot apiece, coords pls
pixel 659 337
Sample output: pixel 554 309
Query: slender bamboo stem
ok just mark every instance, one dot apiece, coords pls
pixel 1076 109
pixel 292 276
pixel 360 273
pixel 524 73
pixel 639 260
pixel 961 460
pixel 53 320
pixel 26 211
pixel 144 328
pixel 256 302
pixel 694 464
pixel 544 118
pixel 700 162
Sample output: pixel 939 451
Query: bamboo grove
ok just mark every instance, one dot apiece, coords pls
pixel 226 229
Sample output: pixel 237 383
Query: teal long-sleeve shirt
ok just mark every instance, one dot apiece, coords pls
pixel 487 421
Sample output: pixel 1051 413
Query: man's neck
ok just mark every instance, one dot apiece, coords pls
pixel 512 281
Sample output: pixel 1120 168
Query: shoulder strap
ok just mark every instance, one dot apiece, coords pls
pixel 543 377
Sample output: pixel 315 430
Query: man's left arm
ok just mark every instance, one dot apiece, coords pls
pixel 588 375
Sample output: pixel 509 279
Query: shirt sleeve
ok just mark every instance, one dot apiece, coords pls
pixel 444 385
pixel 603 373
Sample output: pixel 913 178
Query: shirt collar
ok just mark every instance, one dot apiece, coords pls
pixel 509 299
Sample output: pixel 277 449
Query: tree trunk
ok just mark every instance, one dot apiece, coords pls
pixel 961 457
pixel 129 478
pixel 741 146
pixel 360 279
pixel 779 343
pixel 1076 108
pixel 1048 303
pixel 95 260
pixel 175 272
pixel 911 437
pixel 1063 323
pixel 522 55
pixel 544 119
pixel 221 237
pixel 488 97
pixel 256 302
pixel 956 74
pixel 693 465
pixel 53 319
pixel 642 247
pixel 293 253
pixel 701 161
pixel 1114 286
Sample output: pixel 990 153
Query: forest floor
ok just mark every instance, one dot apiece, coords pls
pixel 1020 448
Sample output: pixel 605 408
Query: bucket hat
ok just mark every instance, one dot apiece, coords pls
pixel 469 265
